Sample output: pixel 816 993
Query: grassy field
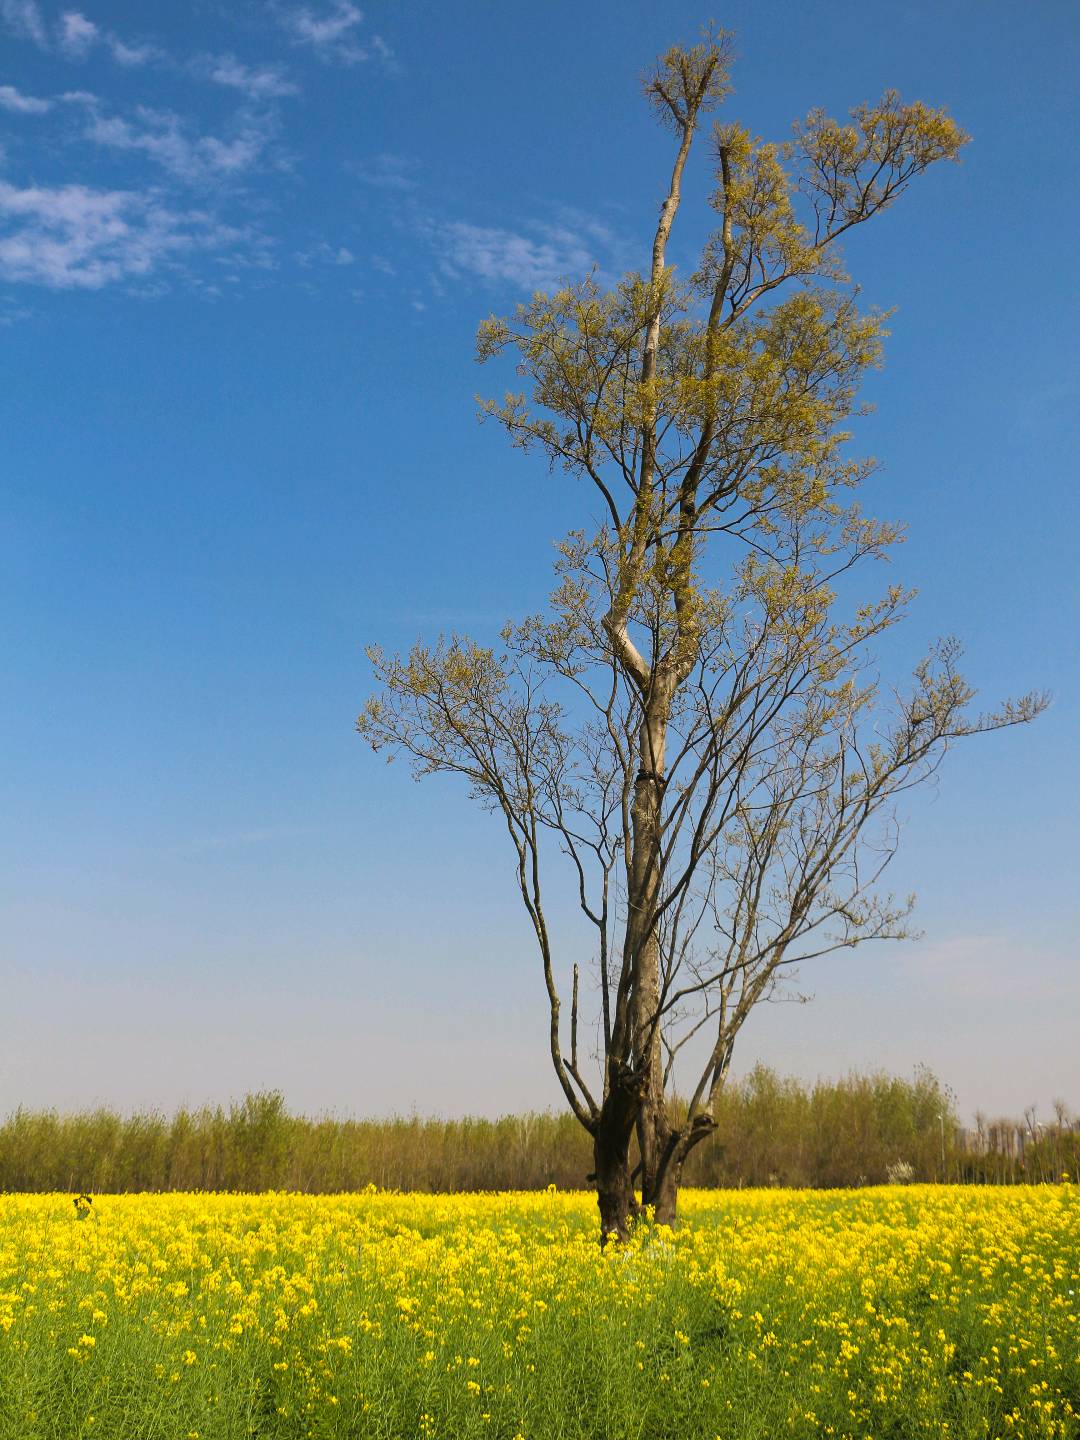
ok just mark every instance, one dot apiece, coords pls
pixel 884 1313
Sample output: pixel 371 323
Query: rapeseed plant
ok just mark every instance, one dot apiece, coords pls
pixel 907 1310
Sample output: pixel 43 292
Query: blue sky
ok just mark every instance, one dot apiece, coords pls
pixel 243 252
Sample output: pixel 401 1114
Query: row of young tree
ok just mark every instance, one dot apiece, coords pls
pixel 864 1129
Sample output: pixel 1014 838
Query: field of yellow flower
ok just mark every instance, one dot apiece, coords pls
pixel 883 1313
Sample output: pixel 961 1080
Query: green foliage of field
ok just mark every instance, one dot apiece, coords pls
pixel 915 1311
pixel 771 1131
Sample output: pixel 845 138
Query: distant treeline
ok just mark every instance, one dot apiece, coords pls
pixel 863 1129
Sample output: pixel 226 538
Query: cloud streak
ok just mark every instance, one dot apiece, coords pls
pixel 163 137
pixel 528 255
pixel 78 35
pixel 11 99
pixel 132 56
pixel 121 212
pixel 24 19
pixel 75 36
pixel 324 254
pixel 386 171
pixel 257 83
pixel 332 35
pixel 497 255
pixel 74 237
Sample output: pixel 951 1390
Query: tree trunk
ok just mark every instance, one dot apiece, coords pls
pixel 664 1194
pixel 643 887
pixel 611 1158
pixel 615 1197
pixel 665 1197
pixel 653 1127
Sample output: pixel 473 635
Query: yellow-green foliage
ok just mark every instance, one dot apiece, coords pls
pixel 899 1311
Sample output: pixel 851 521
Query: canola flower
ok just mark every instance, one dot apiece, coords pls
pixel 913 1311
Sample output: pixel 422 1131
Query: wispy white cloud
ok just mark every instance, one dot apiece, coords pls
pixel 329 32
pixel 385 54
pixel 148 289
pixel 325 254
pixel 495 254
pixel 536 255
pixel 12 313
pixel 14 100
pixel 332 34
pixel 135 229
pixel 74 35
pixel 24 19
pixel 77 34
pixel 132 56
pixel 386 171
pixel 164 138
pixel 267 82
pixel 75 237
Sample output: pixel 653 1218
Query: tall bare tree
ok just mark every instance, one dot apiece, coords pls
pixel 694 723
